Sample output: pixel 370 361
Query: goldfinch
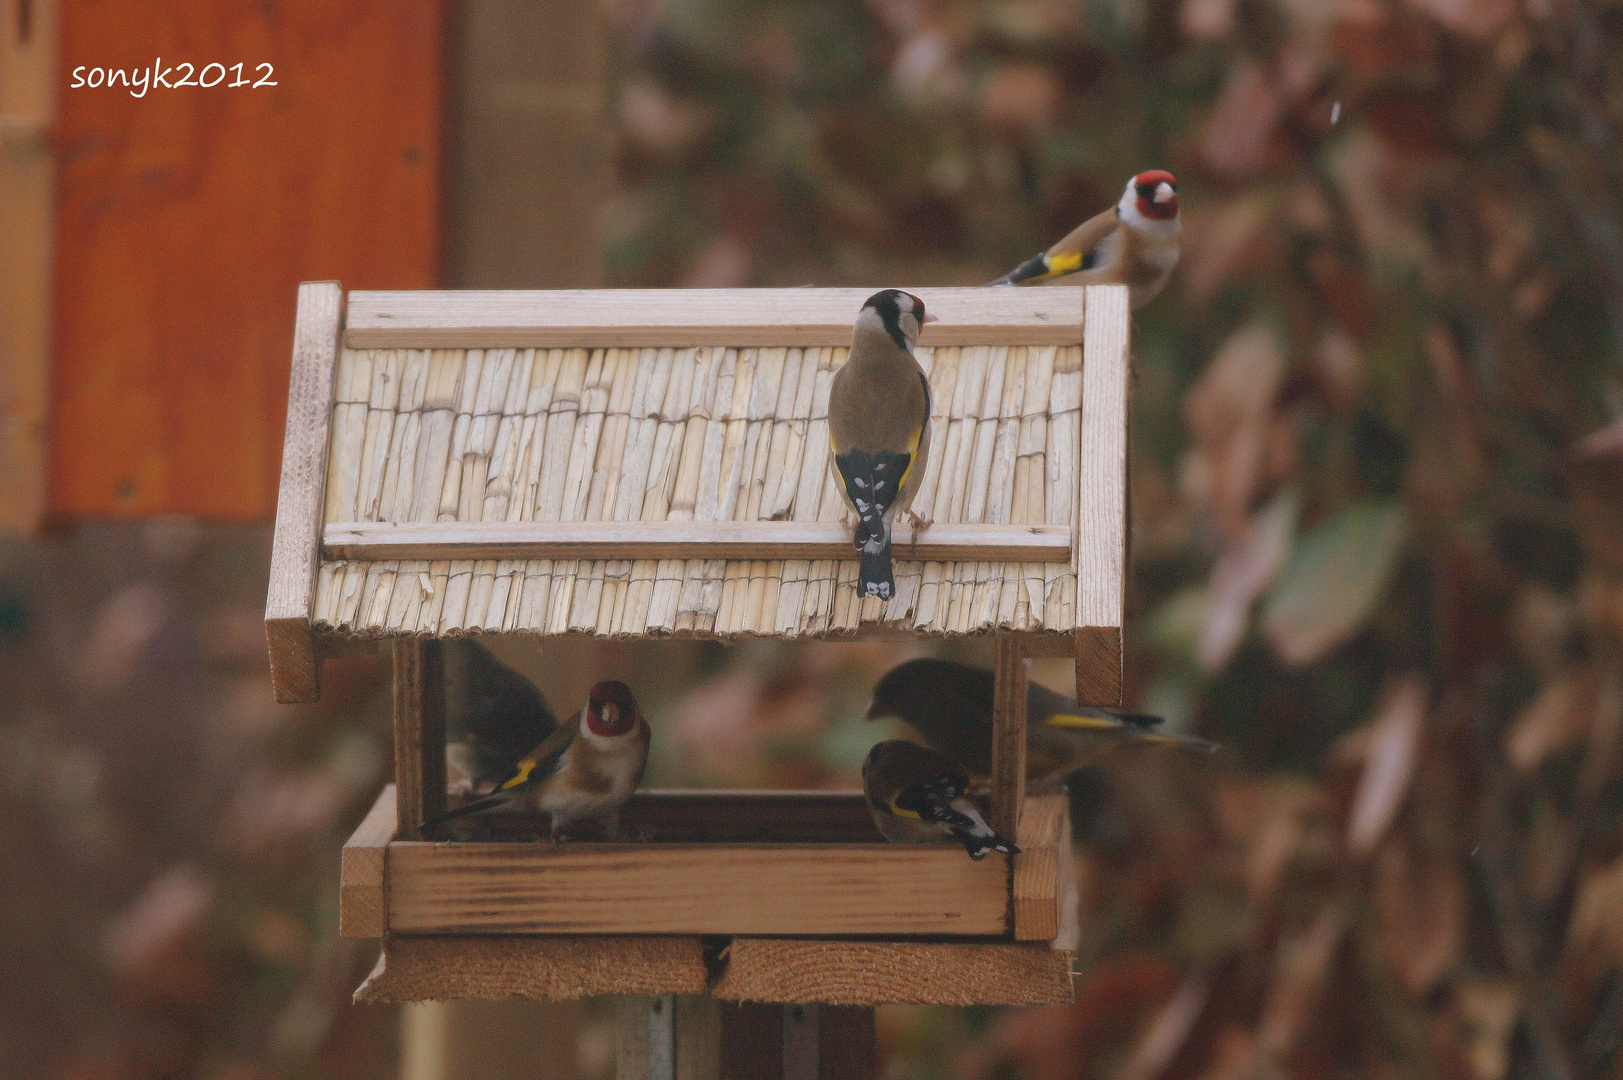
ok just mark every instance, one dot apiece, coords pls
pixel 950 706
pixel 494 715
pixel 917 795
pixel 582 773
pixel 1136 244
pixel 879 426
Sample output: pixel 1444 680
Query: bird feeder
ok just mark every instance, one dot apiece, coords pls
pixel 654 464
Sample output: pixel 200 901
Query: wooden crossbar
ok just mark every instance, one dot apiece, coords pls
pixel 683 540
pixel 635 318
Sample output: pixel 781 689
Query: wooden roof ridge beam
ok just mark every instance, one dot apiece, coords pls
pixel 943 541
pixel 633 318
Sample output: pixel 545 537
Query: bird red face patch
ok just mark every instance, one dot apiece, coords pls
pixel 610 709
pixel 1157 194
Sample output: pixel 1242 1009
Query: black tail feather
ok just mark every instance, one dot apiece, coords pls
pixel 1032 267
pixel 486 803
pixel 981 846
pixel 875 576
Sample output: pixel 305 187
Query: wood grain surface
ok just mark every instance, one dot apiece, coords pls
pixel 695 889
pixel 187 217
pixel 626 318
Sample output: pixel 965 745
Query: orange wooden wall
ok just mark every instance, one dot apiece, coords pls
pixel 187 217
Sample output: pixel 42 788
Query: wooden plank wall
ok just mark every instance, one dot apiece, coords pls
pixel 27 100
pixel 187 217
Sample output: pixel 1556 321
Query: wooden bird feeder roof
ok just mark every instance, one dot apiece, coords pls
pixel 655 463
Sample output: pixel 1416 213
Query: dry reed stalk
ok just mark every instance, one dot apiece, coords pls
pixel 785 446
pixel 352 384
pixel 943 382
pixel 621 368
pixel 398 480
pixel 379 591
pixel 977 480
pixel 450 493
pixel 445 372
pixel 382 405
pixel 955 435
pixel 549 370
pixel 326 610
pixel 349 597
pixel 407 583
pixel 927 611
pixel 507 449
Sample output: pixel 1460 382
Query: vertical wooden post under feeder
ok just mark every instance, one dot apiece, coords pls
pixel 419 747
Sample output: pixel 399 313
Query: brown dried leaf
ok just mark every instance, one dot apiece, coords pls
pixel 724 263
pixel 1597 915
pixel 1605 443
pixel 1422 905
pixel 1244 569
pixel 170 909
pixel 1167 1036
pixel 1389 764
pixel 1236 1057
pixel 119 633
pixel 1476 20
pixel 1237 142
pixel 1206 20
pixel 1555 719
pixel 1024 97
pixel 1228 411
pixel 658 122
pixel 1302 970
pixel 1060 1043
pixel 1373 181
pixel 1219 242
pixel 1489 1010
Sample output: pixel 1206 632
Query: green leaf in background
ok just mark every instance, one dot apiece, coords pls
pixel 1332 583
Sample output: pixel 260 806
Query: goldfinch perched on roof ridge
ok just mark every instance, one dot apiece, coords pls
pixel 494 715
pixel 917 795
pixel 879 427
pixel 582 773
pixel 950 706
pixel 1136 244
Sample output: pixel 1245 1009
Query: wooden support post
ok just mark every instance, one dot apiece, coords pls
pixel 845 1041
pixel 419 733
pixel 697 1037
pixel 670 1037
pixel 802 1057
pixel 1008 737
pixel 751 1041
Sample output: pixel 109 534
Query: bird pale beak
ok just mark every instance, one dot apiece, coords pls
pixel 931 318
pixel 1164 192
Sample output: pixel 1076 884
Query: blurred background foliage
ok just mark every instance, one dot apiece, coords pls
pixel 1377 494
pixel 1377 476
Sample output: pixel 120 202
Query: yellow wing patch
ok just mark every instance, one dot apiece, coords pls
pixel 1071 720
pixel 525 768
pixel 1063 263
pixel 900 811
pixel 913 445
